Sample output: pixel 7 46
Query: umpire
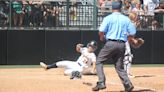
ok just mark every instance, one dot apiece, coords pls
pixel 114 30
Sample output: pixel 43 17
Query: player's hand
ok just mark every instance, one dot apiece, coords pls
pixel 136 42
pixel 79 45
pixel 101 35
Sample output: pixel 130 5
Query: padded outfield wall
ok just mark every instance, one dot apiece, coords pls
pixel 24 47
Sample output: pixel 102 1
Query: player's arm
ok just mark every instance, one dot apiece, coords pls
pixel 101 36
pixel 131 32
pixel 103 29
pixel 132 39
pixel 93 67
pixel 78 47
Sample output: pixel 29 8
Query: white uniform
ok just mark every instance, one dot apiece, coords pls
pixel 128 56
pixel 84 61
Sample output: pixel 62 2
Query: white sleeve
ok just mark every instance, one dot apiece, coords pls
pixel 93 58
pixel 83 50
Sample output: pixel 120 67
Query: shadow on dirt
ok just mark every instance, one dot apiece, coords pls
pixel 141 90
pixel 138 76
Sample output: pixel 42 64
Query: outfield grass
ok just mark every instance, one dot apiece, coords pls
pixel 106 65
pixel 148 65
pixel 140 65
pixel 19 66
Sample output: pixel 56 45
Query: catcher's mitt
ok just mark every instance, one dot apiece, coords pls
pixel 139 42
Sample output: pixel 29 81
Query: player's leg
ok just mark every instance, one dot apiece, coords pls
pixel 127 65
pixel 66 64
pixel 68 72
pixel 88 71
pixel 122 73
pixel 128 71
pixel 73 69
pixel 43 65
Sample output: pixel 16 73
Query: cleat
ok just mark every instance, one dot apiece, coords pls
pixel 43 65
pixel 99 86
pixel 129 88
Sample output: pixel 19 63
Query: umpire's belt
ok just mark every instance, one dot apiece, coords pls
pixel 116 40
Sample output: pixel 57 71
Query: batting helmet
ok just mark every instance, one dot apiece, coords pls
pixel 93 44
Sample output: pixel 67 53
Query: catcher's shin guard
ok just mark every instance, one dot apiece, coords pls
pixel 127 62
pixel 127 68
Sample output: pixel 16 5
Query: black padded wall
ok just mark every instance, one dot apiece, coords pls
pixel 30 47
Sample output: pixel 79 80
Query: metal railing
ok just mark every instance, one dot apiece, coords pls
pixel 59 15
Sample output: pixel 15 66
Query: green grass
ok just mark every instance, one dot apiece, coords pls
pixel 105 65
pixel 19 66
pixel 141 65
pixel 148 65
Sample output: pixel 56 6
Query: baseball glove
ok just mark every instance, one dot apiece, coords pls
pixel 138 42
pixel 75 75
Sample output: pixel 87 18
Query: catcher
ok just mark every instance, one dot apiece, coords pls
pixel 134 42
pixel 128 56
pixel 82 65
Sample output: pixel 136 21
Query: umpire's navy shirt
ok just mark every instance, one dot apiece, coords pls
pixel 117 26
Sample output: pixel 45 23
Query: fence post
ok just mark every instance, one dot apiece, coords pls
pixel 95 15
pixel 67 18
pixel 162 21
pixel 10 15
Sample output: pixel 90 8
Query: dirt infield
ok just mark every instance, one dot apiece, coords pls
pixel 148 79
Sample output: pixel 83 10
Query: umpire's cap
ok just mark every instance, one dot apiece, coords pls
pixel 93 44
pixel 116 4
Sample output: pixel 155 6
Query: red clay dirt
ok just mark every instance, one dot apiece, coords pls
pixel 148 79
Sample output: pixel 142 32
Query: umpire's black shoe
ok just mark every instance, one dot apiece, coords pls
pixel 129 88
pixel 99 86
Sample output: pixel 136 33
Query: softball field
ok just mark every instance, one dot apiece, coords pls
pixel 148 79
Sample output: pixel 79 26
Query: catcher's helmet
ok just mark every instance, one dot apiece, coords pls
pixel 93 44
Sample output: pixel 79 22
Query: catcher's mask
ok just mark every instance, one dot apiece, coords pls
pixel 92 44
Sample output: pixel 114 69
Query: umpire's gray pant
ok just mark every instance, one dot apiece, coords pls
pixel 112 50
